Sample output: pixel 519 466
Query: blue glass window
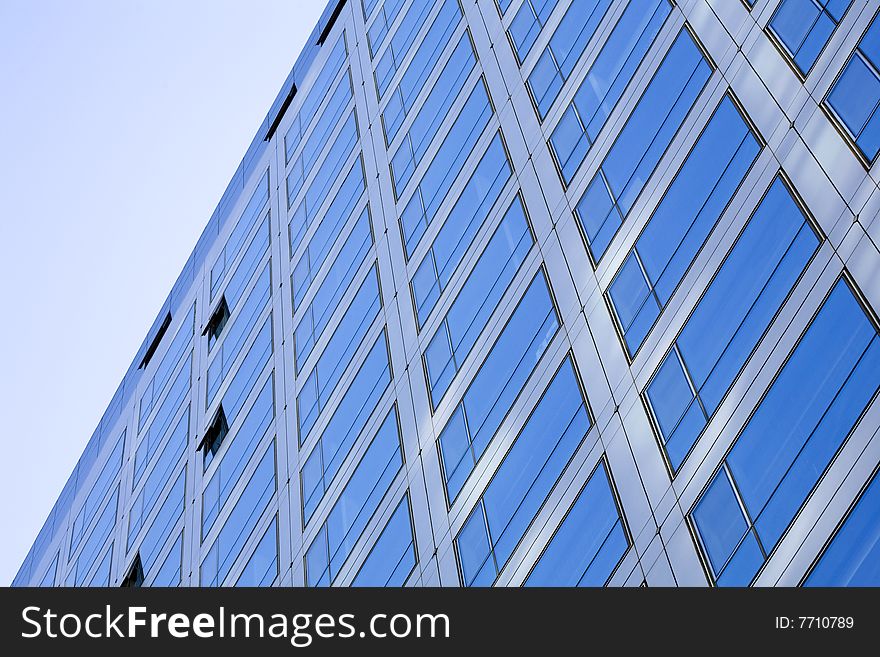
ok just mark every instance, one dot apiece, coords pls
pixel 250 215
pixel 497 384
pixel 853 556
pixel 388 13
pixel 642 142
pixel 368 7
pixel 334 217
pixel 476 302
pixel 732 316
pixel 236 332
pixel 527 24
pixel 98 538
pixel 523 481
pixel 855 96
pixel 166 368
pixel 241 522
pixel 812 406
pixel 244 272
pixel 101 576
pixel 605 83
pixel 336 282
pixel 319 90
pixel 589 543
pixel 158 477
pixel 241 384
pixel 401 42
pixel 48 579
pixel 445 167
pixel 341 272
pixel 804 27
pixel 424 60
pixel 335 156
pixel 100 490
pixel 346 424
pixel 323 126
pixel 459 229
pixel 262 568
pixel 393 557
pixel 151 438
pixel 233 461
pixel 338 353
pixel 435 108
pixel 567 44
pixel 685 217
pixel 169 573
pixel 163 524
pixel 357 503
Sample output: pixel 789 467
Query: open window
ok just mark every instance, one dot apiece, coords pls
pixel 214 435
pixel 154 344
pixel 216 322
pixel 134 579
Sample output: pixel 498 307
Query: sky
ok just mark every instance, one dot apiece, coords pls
pixel 120 125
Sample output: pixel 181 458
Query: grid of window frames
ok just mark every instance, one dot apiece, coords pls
pixel 569 40
pixel 641 143
pixel 855 96
pixel 745 295
pixel 678 228
pixel 804 27
pixel 811 407
pixel 427 295
pixel 852 558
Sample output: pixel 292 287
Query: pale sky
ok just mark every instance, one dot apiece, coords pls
pixel 121 123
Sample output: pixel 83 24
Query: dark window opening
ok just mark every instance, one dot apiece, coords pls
pixel 135 577
pixel 155 343
pixel 330 22
pixel 216 322
pixel 281 110
pixel 214 435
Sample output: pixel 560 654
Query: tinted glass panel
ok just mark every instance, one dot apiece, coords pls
pixel 642 142
pixel 853 557
pixel 589 543
pixel 804 27
pixel 677 230
pixel 524 479
pixel 393 557
pixel 725 327
pixel 812 406
pixel 605 83
pixel 855 96
pixel 357 503
pixel 497 384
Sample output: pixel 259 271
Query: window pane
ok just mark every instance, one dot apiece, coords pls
pixel 684 219
pixel 498 383
pixel 477 300
pixel 804 27
pixel 393 557
pixel 589 543
pixel 755 278
pixel 812 406
pixel 605 82
pixel 417 72
pixel 642 142
pixel 525 477
pixel 853 557
pixel 345 425
pixel 855 95
pixel 356 504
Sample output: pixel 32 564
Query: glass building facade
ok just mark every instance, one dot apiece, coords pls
pixel 519 292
